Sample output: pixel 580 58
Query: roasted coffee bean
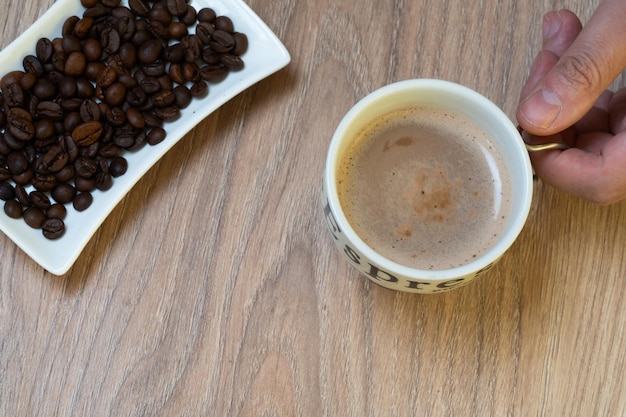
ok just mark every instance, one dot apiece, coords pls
pixel 182 96
pixel 13 94
pixel 155 136
pixel 49 110
pixel 64 175
pixel 110 40
pixel 28 81
pixel 213 73
pixel 119 165
pixel 150 85
pixel 25 177
pixel 55 159
pixel 190 16
pixel 16 162
pixel 5 174
pixel 104 180
pixel 139 7
pixel 34 217
pixel 155 69
pixel 87 133
pixel 174 53
pixel 53 228
pixel 39 200
pixel 124 138
pixel 177 30
pixel 222 41
pixel 68 25
pixel 92 50
pixel 204 31
pixel 45 89
pixel 13 209
pixel 70 43
pixel 241 43
pixel 44 50
pixel 206 14
pixel 192 47
pixel 224 23
pixel 150 51
pixel 90 110
pixel 167 113
pixel 85 167
pixel 44 182
pixel 115 116
pixel 75 64
pixel 63 193
pixel 82 201
pixel 7 192
pixel 67 87
pixel 164 98
pixel 72 119
pixel 177 7
pixel 191 72
pixel 115 94
pixel 136 96
pixel 56 211
pixel 135 118
pixel 33 65
pixel 232 62
pixel 199 90
pixel 84 184
pixel 21 195
pixel 82 28
pixel 20 127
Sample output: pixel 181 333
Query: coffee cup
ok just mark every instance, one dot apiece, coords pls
pixel 427 184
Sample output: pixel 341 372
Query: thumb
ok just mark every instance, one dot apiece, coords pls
pixel 582 72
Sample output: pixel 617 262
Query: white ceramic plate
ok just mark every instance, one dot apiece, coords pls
pixel 265 55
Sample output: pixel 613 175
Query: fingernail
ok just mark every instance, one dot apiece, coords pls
pixel 541 108
pixel 551 24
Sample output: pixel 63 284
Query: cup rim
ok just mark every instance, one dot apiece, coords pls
pixel 519 217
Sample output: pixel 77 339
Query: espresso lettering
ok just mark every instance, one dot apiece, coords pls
pixel 381 275
pixel 354 257
pixel 415 285
pixel 331 223
pixel 451 284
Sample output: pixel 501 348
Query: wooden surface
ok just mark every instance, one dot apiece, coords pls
pixel 235 303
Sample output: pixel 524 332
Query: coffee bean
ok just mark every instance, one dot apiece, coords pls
pixel 207 14
pixel 53 228
pixel 150 51
pixel 82 201
pixel 34 217
pixel 39 200
pixel 177 7
pixel 44 50
pixel 56 211
pixel 75 64
pixel 7 192
pixel 139 7
pixel 87 133
pixel 119 165
pixel 63 193
pixel 13 209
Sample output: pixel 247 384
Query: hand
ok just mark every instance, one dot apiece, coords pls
pixel 566 99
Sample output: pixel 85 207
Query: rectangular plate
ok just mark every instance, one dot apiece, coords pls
pixel 265 55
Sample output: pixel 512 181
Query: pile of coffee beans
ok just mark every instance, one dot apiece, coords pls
pixel 106 86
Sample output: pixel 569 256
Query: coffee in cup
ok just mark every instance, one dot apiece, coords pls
pixel 427 183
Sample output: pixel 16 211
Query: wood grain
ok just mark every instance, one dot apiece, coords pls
pixel 213 289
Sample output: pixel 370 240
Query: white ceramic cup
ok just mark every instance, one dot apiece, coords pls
pixel 456 98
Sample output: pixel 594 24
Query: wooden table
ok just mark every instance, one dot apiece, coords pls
pixel 237 304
